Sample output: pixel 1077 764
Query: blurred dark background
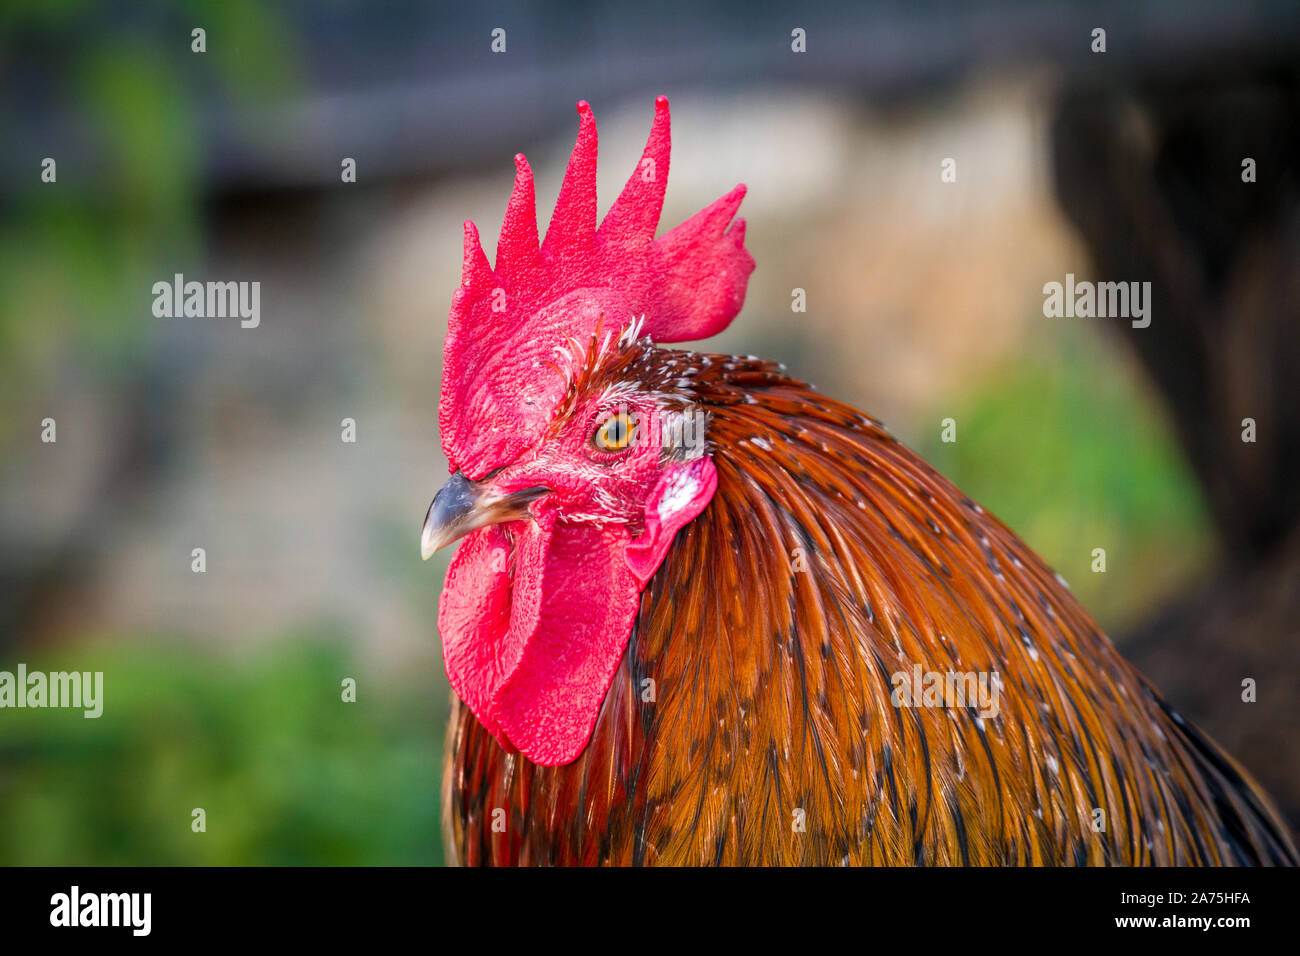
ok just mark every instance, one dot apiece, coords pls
pixel 222 689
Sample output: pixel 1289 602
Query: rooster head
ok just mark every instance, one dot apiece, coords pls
pixel 576 455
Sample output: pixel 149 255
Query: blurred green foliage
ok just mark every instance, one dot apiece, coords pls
pixel 1070 450
pixel 81 254
pixel 287 773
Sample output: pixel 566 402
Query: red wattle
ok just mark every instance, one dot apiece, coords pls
pixel 577 602
pixel 532 640
pixel 532 654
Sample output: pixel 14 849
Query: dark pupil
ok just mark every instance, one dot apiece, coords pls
pixel 617 431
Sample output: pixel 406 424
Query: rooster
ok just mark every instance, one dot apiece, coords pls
pixel 703 614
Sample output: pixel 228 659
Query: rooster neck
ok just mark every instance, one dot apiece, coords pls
pixel 756 718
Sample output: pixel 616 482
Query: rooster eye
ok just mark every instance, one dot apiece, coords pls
pixel 614 433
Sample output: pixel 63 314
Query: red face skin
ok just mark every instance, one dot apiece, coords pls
pixel 537 612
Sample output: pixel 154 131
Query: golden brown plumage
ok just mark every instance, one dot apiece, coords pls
pixel 830 559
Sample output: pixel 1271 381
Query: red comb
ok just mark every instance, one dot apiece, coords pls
pixel 506 323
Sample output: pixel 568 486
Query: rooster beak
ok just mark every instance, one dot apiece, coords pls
pixel 462 506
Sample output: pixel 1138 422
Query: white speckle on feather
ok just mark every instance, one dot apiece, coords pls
pixel 632 332
pixel 761 443
pixel 1052 765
